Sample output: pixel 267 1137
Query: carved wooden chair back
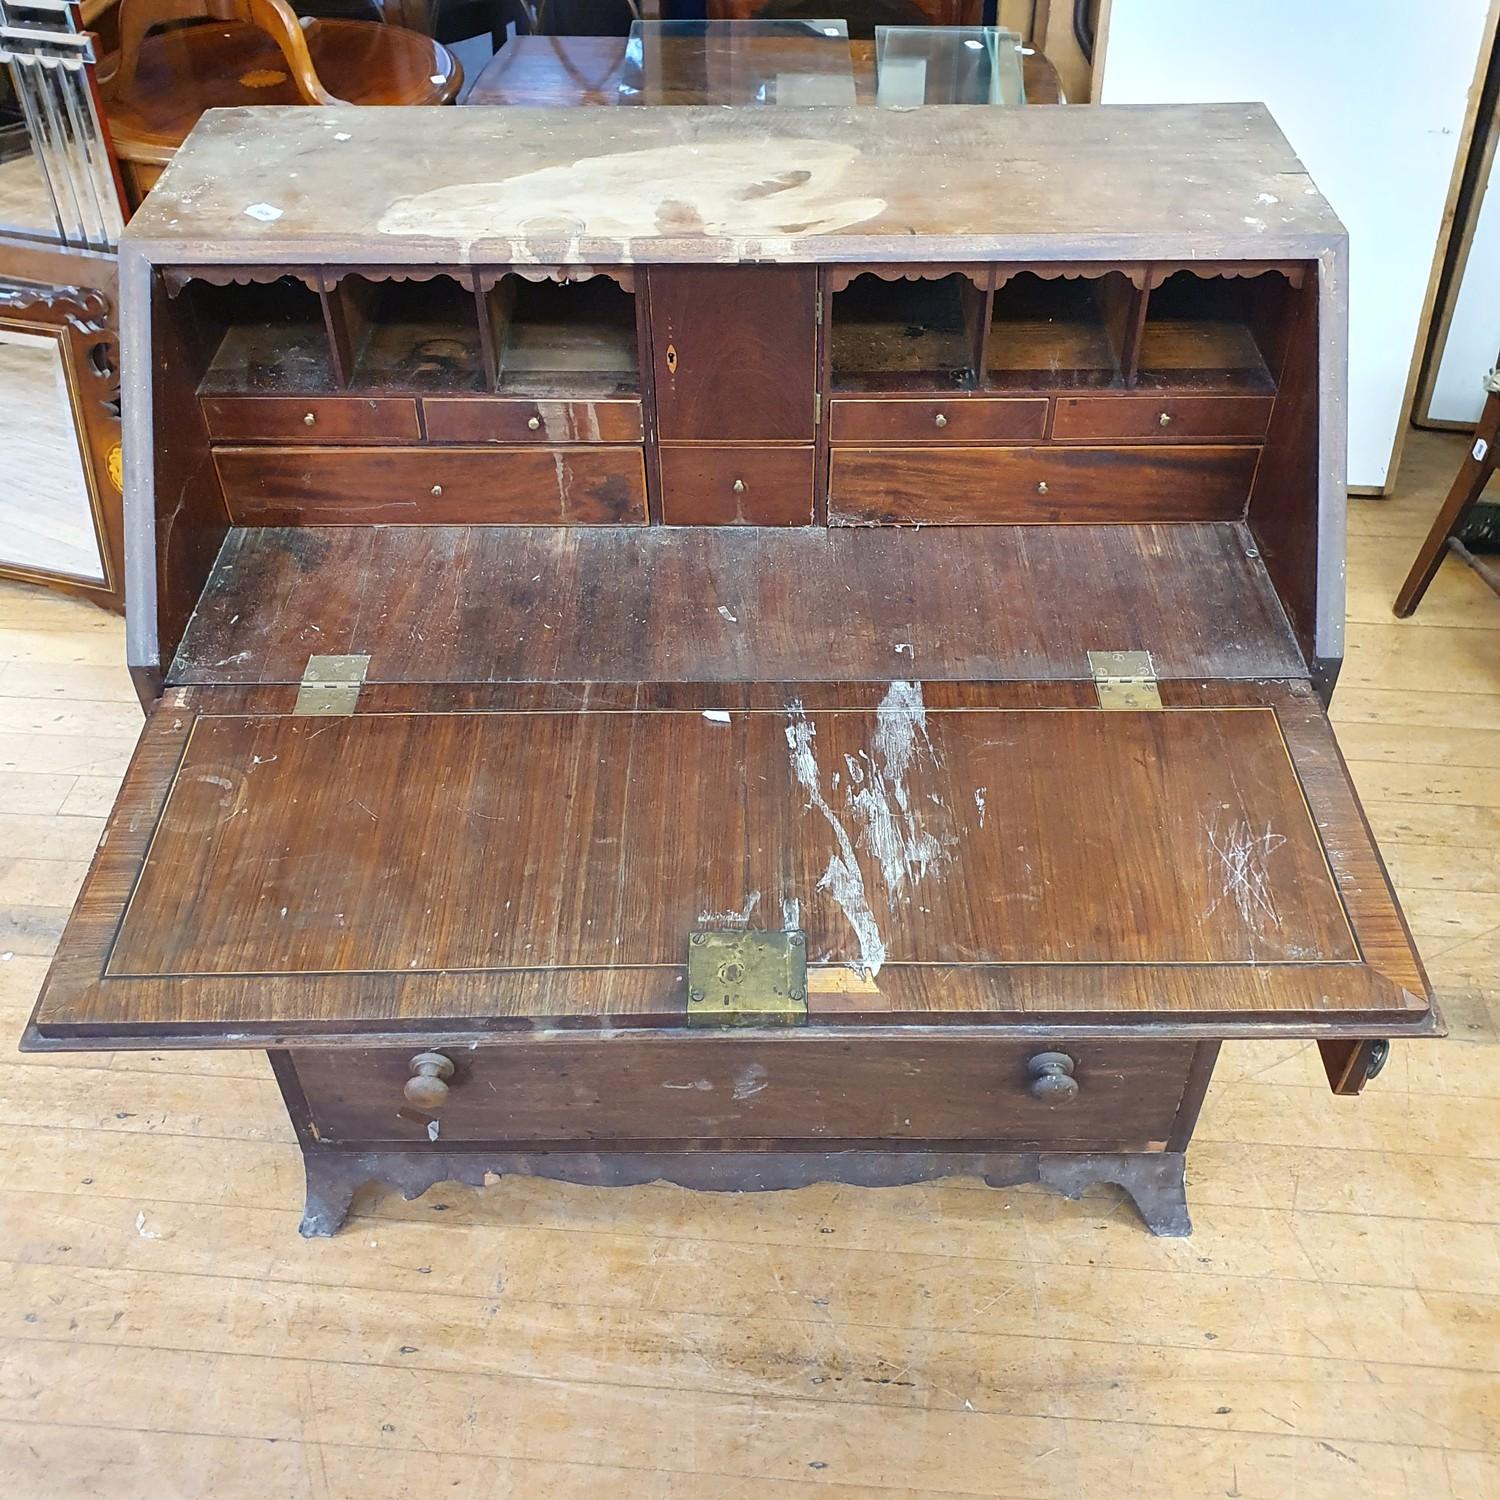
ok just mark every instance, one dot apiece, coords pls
pixel 138 18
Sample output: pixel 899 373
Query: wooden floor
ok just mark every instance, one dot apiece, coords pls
pixel 1331 1329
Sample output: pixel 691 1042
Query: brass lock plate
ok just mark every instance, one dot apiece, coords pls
pixel 747 979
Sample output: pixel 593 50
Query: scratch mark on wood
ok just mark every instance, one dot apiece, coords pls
pixel 740 918
pixel 1241 857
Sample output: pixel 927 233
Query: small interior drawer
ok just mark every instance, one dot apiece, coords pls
pixel 939 420
pixel 524 486
pixel 704 485
pixel 312 419
pixel 688 1086
pixel 1164 417
pixel 496 419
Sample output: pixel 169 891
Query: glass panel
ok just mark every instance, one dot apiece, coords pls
pixel 25 203
pixel 46 516
pixel 947 65
pixel 737 62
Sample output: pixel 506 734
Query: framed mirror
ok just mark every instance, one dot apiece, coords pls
pixel 59 440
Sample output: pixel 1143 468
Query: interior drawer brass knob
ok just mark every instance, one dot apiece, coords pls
pixel 1165 418
pixel 1041 487
pixel 1052 1079
pixel 738 486
pixel 940 420
pixel 437 489
pixel 534 423
pixel 308 419
pixel 427 1088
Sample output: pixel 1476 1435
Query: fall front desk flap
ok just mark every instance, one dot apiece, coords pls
pixel 1010 853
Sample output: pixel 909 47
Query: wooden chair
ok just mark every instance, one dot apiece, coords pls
pixel 260 52
pixel 1475 472
pixel 138 18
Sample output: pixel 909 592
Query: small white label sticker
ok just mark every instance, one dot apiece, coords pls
pixel 265 212
pixel 1480 449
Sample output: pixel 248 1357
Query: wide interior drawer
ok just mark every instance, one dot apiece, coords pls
pixel 705 485
pixel 978 419
pixel 500 419
pixel 778 1087
pixel 523 486
pixel 1166 418
pixel 957 486
pixel 312 419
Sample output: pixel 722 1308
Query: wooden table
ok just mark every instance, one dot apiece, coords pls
pixel 184 72
pixel 570 70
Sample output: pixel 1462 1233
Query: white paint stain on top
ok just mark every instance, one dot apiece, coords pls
pixel 906 840
pixel 739 187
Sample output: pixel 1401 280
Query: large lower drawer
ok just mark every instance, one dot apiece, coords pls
pixel 955 486
pixel 706 485
pixel 786 1087
pixel 958 419
pixel 502 419
pixel 1167 418
pixel 530 486
pixel 312 419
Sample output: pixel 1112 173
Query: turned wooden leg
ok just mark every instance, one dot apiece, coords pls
pixel 1152 1180
pixel 1473 475
pixel 330 1191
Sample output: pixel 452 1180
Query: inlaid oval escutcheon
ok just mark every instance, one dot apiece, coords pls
pixel 427 1088
pixel 1052 1079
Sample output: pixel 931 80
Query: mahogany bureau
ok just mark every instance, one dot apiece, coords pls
pixel 741 648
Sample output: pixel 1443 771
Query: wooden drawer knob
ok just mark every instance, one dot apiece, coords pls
pixel 534 423
pixel 1052 1079
pixel 427 1088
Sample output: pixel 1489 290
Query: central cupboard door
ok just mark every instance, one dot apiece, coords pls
pixel 735 353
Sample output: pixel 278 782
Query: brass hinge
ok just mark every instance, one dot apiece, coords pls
pixel 1125 679
pixel 747 979
pixel 330 685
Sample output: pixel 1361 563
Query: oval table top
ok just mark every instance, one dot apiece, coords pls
pixel 181 73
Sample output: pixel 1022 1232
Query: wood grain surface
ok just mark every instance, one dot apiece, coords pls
pixel 289 845
pixel 573 486
pixel 549 186
pixel 711 605
pixel 975 486
pixel 785 1088
pixel 710 485
pixel 275 901
pixel 734 351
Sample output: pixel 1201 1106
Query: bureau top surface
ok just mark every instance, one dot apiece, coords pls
pixel 579 186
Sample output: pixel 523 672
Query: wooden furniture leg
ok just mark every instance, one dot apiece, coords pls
pixel 1152 1180
pixel 1472 477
